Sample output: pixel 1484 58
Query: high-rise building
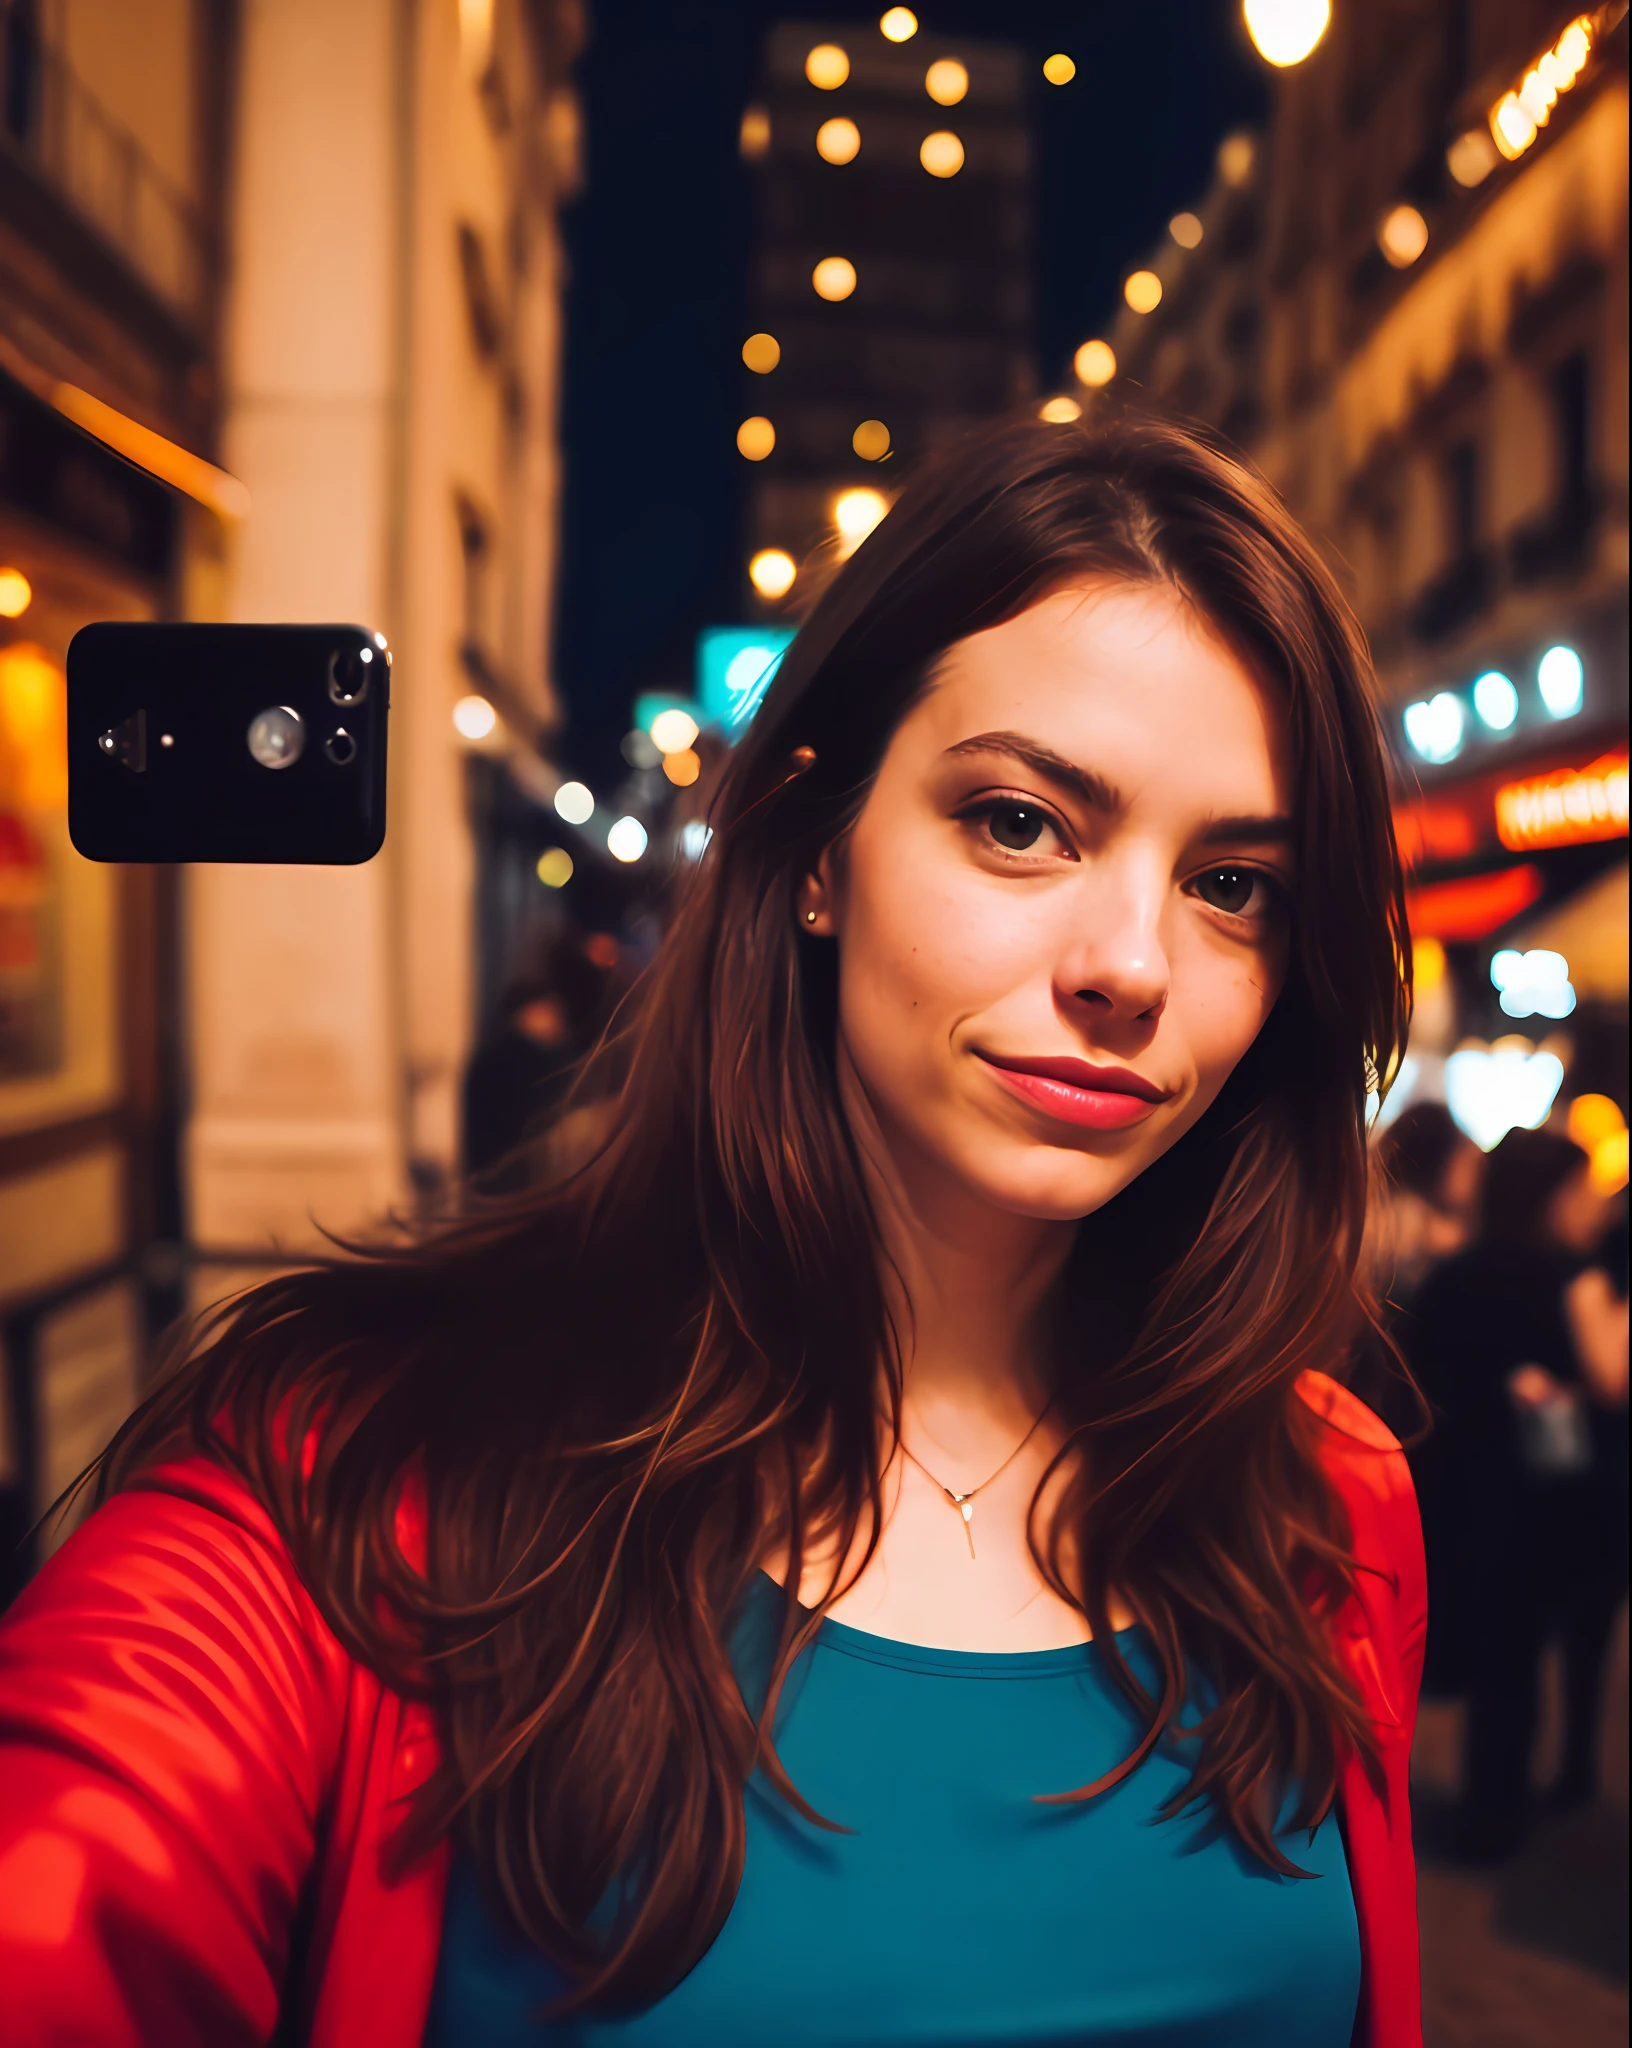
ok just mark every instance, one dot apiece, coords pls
pixel 891 288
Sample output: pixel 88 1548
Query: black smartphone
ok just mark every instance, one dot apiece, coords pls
pixel 227 743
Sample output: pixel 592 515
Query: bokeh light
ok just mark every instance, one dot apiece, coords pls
pixel 827 67
pixel 682 767
pixel 898 25
pixel 838 141
pixel 16 593
pixel 756 437
pixel 946 81
pixel 772 572
pixel 834 278
pixel 1059 69
pixel 941 154
pixel 754 136
pixel 1472 157
pixel 1496 700
pixel 474 718
pixel 1286 31
pixel 1186 230
pixel 673 731
pixel 1236 156
pixel 575 802
pixel 871 440
pixel 1402 236
pixel 1143 291
pixel 1094 363
pixel 855 514
pixel 1059 411
pixel 555 867
pixel 626 840
pixel 762 353
pixel 1561 681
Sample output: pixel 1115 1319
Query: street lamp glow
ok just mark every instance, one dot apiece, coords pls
pixel 946 81
pixel 834 278
pixel 1496 700
pixel 626 840
pixel 673 730
pixel 1094 363
pixel 1403 236
pixel 1186 230
pixel 756 437
pixel 16 593
pixel 1436 727
pixel 871 440
pixel 1143 291
pixel 1059 69
pixel 1059 412
pixel 1285 31
pixel 898 25
pixel 474 718
pixel 827 67
pixel 1561 681
pixel 838 141
pixel 771 572
pixel 941 154
pixel 856 513
pixel 575 802
pixel 762 353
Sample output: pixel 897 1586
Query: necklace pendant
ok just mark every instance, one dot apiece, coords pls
pixel 966 1507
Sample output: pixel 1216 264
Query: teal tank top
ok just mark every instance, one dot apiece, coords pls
pixel 959 1913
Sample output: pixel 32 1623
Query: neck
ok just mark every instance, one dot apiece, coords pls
pixel 969 1286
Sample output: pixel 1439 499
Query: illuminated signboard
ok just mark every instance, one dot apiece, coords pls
pixel 1567 808
pixel 735 665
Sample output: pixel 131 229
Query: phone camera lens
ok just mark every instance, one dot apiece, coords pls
pixel 277 737
pixel 350 670
pixel 340 747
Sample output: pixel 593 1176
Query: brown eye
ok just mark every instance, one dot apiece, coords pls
pixel 1016 826
pixel 1228 889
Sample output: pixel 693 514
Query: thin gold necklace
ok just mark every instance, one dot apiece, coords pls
pixel 965 1502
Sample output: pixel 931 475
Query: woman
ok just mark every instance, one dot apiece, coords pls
pixel 594 1609
pixel 1522 1342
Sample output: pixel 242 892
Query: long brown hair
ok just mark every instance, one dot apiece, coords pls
pixel 609 1390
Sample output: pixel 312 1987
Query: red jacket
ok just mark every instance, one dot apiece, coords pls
pixel 197 1782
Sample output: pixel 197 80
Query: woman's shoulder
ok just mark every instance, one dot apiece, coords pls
pixel 1345 1413
pixel 1363 1460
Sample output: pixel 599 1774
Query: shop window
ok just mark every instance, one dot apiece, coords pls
pixel 33 793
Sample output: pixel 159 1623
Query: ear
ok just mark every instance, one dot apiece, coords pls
pixel 814 904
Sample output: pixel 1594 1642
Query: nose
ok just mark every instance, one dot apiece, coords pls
pixel 1114 964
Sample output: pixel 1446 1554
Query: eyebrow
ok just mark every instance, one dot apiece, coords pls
pixel 1101 795
pixel 1094 790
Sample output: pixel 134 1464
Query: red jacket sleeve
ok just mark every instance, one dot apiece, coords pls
pixel 170 1715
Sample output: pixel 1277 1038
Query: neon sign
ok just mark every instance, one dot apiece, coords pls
pixel 1571 807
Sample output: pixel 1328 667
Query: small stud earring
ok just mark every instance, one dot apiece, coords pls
pixel 810 917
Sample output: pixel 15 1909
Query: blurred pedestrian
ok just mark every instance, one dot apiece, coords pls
pixel 520 1072
pixel 1423 1208
pixel 1521 1343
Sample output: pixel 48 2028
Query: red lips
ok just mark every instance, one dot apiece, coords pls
pixel 1077 1092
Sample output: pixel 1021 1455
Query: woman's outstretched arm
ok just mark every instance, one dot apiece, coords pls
pixel 171 1709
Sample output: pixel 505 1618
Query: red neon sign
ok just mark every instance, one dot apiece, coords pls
pixel 1570 807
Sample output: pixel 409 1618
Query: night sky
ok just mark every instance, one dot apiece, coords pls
pixel 657 252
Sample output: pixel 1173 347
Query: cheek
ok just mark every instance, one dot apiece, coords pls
pixel 1221 1001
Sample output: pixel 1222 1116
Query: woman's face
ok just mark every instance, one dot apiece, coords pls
pixel 1061 914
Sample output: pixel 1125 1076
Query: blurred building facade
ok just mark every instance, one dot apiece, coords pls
pixel 1408 301
pixel 278 340
pixel 891 286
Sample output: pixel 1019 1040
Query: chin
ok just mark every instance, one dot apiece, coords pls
pixel 1053 1186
